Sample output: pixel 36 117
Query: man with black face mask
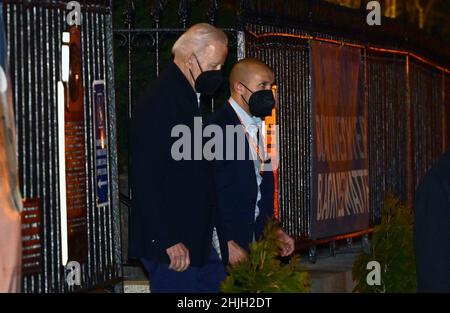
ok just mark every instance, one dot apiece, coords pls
pixel 171 219
pixel 244 188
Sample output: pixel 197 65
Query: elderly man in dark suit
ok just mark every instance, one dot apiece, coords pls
pixel 432 228
pixel 171 217
pixel 244 186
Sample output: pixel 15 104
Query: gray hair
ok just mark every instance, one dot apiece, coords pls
pixel 197 38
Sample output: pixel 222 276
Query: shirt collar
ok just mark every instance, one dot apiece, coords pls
pixel 198 98
pixel 245 118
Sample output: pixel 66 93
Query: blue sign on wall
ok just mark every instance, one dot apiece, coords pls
pixel 101 145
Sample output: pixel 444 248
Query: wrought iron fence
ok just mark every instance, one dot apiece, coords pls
pixel 406 88
pixel 407 92
pixel 34 36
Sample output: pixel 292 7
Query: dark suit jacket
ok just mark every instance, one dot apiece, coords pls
pixel 236 191
pixel 432 228
pixel 172 200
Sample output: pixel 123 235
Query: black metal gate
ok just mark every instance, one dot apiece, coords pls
pixel 405 86
pixel 407 91
pixel 34 31
pixel 406 94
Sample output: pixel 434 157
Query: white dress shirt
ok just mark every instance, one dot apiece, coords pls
pixel 198 99
pixel 251 124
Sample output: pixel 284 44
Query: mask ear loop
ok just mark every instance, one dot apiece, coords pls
pixel 246 87
pixel 198 63
pixel 248 90
pixel 190 71
pixel 199 66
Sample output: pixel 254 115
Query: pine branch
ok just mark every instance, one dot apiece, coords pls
pixel 263 272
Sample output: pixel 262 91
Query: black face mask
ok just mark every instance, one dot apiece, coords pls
pixel 261 102
pixel 207 82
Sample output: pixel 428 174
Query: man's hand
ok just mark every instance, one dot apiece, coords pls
pixel 179 257
pixel 236 253
pixel 286 243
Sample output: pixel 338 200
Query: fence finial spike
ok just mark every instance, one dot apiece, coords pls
pixel 212 10
pixel 183 12
pixel 157 10
pixel 129 14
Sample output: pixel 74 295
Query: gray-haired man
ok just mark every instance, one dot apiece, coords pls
pixel 172 216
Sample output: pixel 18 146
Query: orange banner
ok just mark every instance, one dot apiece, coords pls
pixel 340 168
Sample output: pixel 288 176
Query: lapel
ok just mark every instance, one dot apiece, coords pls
pixel 233 119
